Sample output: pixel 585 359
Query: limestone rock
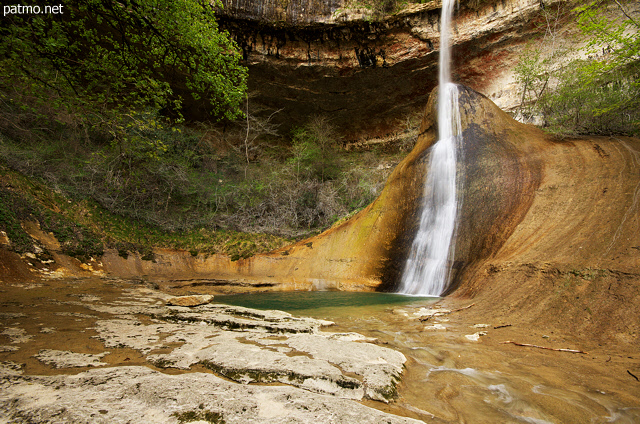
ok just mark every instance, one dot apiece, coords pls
pixel 10 368
pixel 425 313
pixel 475 336
pixel 253 346
pixel 436 327
pixel 368 69
pixel 141 395
pixel 66 359
pixel 190 301
pixel 17 335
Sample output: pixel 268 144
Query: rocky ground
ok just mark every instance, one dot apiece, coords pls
pixel 85 351
pixel 91 350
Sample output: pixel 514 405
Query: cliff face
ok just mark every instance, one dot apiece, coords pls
pixel 289 12
pixel 310 57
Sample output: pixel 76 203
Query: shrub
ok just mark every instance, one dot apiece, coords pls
pixel 599 94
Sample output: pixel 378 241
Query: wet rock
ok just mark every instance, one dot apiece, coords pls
pixel 66 359
pixel 141 395
pixel 131 333
pixel 436 327
pixel 475 336
pixel 74 314
pixel 17 335
pixel 89 298
pixel 351 337
pixel 239 318
pixel 11 315
pixel 190 301
pixel 10 368
pixel 426 313
pixel 379 367
pixel 253 346
pixel 255 363
pixel 4 240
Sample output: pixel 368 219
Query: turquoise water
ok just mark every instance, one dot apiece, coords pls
pixel 297 301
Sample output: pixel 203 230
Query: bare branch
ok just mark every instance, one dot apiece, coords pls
pixel 546 348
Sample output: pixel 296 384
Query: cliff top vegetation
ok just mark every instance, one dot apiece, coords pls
pixel 596 91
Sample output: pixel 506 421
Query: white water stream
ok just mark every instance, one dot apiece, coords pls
pixel 426 271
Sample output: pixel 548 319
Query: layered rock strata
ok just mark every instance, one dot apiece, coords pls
pixel 367 71
pixel 141 395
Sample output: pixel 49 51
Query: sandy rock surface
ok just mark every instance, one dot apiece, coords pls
pixel 141 395
pixel 320 374
pixel 194 300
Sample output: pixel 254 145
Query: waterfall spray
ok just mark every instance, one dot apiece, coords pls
pixel 427 269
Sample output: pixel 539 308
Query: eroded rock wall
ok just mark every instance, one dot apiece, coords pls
pixel 366 73
pixel 499 176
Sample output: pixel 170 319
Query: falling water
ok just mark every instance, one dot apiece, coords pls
pixel 427 269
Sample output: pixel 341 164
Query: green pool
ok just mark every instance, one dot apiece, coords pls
pixel 316 302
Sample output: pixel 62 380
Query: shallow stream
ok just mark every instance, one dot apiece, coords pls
pixel 455 375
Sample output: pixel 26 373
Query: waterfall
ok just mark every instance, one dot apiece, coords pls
pixel 426 271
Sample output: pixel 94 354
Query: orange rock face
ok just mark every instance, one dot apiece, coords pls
pixel 528 199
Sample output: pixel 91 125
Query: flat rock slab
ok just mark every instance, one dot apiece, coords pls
pixel 254 346
pixel 10 368
pixel 66 359
pixel 141 395
pixel 319 375
pixel 190 301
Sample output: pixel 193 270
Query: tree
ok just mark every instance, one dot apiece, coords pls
pixel 598 93
pixel 612 75
pixel 314 151
pixel 98 55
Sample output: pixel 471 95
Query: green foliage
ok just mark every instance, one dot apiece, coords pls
pixel 83 227
pixel 589 101
pixel 314 151
pixel 190 178
pixel 532 79
pixel 110 57
pixel 91 102
pixel 599 94
pixel 13 209
pixel 199 415
pixel 75 239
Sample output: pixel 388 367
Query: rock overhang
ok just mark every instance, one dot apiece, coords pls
pixel 368 73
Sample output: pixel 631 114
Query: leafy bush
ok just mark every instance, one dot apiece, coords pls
pixel 589 101
pixel 75 239
pixel 104 56
pixel 195 177
pixel 92 102
pixel 13 209
pixel 599 94
pixel 314 151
